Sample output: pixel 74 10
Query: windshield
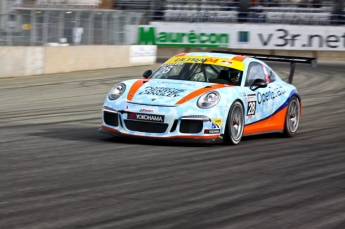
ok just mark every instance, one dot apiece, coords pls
pixel 199 72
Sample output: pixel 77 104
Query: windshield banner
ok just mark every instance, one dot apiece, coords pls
pixel 239 36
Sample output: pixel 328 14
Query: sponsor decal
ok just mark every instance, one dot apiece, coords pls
pixel 197 60
pixel 211 60
pixel 142 51
pixel 226 62
pixel 272 94
pixel 146 111
pixel 215 125
pixel 212 131
pixel 316 39
pixel 251 105
pixel 173 64
pixel 179 83
pixel 289 37
pixel 146 117
pixel 162 91
pixel 243 36
pixel 217 121
pixel 181 37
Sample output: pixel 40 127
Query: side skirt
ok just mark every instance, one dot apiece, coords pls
pixel 267 132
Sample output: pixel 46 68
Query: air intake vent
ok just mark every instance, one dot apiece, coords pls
pixel 147 127
pixel 110 118
pixel 191 126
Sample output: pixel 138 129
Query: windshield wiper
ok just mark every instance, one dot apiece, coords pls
pixel 199 66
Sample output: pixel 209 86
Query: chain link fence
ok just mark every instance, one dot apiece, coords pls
pixel 3 25
pixel 50 25
pixel 62 27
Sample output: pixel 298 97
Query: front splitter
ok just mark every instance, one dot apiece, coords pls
pixel 185 138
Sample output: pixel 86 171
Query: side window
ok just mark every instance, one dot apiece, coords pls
pixel 255 71
pixel 269 74
pixel 272 76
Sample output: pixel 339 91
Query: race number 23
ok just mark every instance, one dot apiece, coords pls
pixel 251 108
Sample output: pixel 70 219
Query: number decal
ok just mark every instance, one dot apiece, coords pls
pixel 165 69
pixel 251 108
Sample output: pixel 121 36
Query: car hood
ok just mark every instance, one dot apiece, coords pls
pixel 167 92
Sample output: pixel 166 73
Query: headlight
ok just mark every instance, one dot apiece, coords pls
pixel 117 91
pixel 208 99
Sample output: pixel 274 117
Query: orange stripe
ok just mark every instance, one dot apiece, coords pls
pixel 199 92
pixel 181 54
pixel 172 137
pixel 276 122
pixel 135 87
pixel 239 58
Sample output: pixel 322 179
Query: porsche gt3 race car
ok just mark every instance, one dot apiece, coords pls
pixel 205 97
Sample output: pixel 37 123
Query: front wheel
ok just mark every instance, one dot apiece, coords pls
pixel 292 117
pixel 235 124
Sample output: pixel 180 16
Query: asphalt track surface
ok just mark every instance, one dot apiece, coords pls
pixel 57 171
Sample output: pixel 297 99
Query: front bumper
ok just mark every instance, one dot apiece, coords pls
pixel 174 126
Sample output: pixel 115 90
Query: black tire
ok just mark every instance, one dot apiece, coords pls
pixel 292 117
pixel 234 124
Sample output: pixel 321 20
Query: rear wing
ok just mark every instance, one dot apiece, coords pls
pixel 292 59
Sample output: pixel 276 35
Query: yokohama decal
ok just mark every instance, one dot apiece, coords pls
pixel 146 117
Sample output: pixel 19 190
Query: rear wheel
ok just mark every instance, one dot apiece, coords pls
pixel 292 117
pixel 235 124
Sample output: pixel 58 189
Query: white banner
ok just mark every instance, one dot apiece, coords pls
pixel 290 37
pixel 240 36
pixel 142 54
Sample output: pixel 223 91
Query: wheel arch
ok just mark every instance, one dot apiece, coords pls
pixel 295 94
pixel 226 126
pixel 286 132
pixel 226 113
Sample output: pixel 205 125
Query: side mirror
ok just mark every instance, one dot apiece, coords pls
pixel 147 74
pixel 258 83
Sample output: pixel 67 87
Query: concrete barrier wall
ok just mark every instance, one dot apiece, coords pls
pixel 21 61
pixel 26 61
pixel 80 58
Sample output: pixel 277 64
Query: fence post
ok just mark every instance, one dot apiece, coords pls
pixel 33 27
pixel 91 25
pixel 116 28
pixel 77 22
pixel 8 32
pixel 61 25
pixel 45 27
pixel 104 27
pixel 138 17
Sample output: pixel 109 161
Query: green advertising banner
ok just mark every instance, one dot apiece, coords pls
pixel 181 37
